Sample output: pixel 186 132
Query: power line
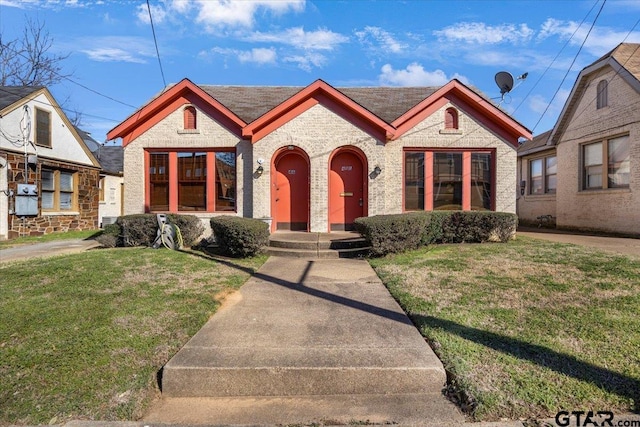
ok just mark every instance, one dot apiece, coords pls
pixel 66 110
pixel 155 40
pixel 5 46
pixel 556 57
pixel 570 66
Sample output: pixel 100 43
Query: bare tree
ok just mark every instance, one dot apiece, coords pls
pixel 27 60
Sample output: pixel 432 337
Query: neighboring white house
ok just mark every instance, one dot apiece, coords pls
pixel 48 176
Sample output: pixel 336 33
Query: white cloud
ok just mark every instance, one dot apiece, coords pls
pixel 258 56
pixel 480 33
pixel 115 49
pixel 415 75
pixel 321 39
pixel 308 61
pixel 228 13
pixel 158 13
pixel 383 38
pixel 600 41
pixel 108 54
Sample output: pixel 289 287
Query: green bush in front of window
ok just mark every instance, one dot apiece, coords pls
pixel 141 230
pixel 240 237
pixel 387 234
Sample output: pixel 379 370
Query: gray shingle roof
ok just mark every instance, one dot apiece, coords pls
pixel 111 158
pixel 251 102
pixel 11 94
pixel 538 143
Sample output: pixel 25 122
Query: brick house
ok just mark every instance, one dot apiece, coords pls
pixel 48 176
pixel 315 158
pixel 596 147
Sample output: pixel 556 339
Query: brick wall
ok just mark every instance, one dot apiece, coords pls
pixel 614 210
pixel 319 133
pixel 86 218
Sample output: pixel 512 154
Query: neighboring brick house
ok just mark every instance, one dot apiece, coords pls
pixel 316 158
pixel 597 145
pixel 537 177
pixel 48 176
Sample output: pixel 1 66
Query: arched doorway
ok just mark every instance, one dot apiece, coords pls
pixel 347 188
pixel 290 190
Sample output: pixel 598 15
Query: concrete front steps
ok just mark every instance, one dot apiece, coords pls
pixel 297 244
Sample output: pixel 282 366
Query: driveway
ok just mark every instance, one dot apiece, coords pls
pixel 620 245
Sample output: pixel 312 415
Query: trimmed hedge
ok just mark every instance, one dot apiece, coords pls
pixel 392 233
pixel 396 233
pixel 141 230
pixel 240 237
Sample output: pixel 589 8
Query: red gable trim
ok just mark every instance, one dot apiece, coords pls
pixel 185 92
pixel 472 103
pixel 319 92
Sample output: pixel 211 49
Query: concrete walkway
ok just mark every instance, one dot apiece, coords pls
pixel 46 249
pixel 306 341
pixel 619 245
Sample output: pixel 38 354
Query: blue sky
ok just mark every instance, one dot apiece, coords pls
pixel 346 43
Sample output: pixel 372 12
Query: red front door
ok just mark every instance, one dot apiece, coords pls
pixel 347 196
pixel 291 192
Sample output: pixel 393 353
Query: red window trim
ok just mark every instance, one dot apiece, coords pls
pixel 190 118
pixel 466 174
pixel 173 177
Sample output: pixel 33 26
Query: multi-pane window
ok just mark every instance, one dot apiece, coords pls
pixel 43 128
pixel 448 180
pixel 602 99
pixel 414 181
pixel 192 181
pixel 542 175
pixel 58 190
pixel 159 182
pixel 605 164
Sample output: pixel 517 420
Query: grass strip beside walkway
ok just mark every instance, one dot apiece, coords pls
pixel 526 328
pixel 83 336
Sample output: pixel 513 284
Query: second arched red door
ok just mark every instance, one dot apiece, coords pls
pixel 347 195
pixel 291 191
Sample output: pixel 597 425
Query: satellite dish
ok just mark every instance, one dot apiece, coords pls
pixel 504 80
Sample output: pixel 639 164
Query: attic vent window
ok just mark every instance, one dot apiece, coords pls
pixel 451 119
pixel 603 97
pixel 190 118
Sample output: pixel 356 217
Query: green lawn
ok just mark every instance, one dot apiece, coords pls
pixel 526 328
pixel 83 336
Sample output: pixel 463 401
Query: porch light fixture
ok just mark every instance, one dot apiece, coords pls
pixel 377 170
pixel 259 170
pixel 523 185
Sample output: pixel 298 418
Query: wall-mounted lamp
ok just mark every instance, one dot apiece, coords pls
pixel 523 185
pixel 377 170
pixel 260 170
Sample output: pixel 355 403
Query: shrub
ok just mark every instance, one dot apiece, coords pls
pixel 478 227
pixel 396 233
pixel 240 237
pixel 392 233
pixel 141 229
pixel 110 236
pixel 191 228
